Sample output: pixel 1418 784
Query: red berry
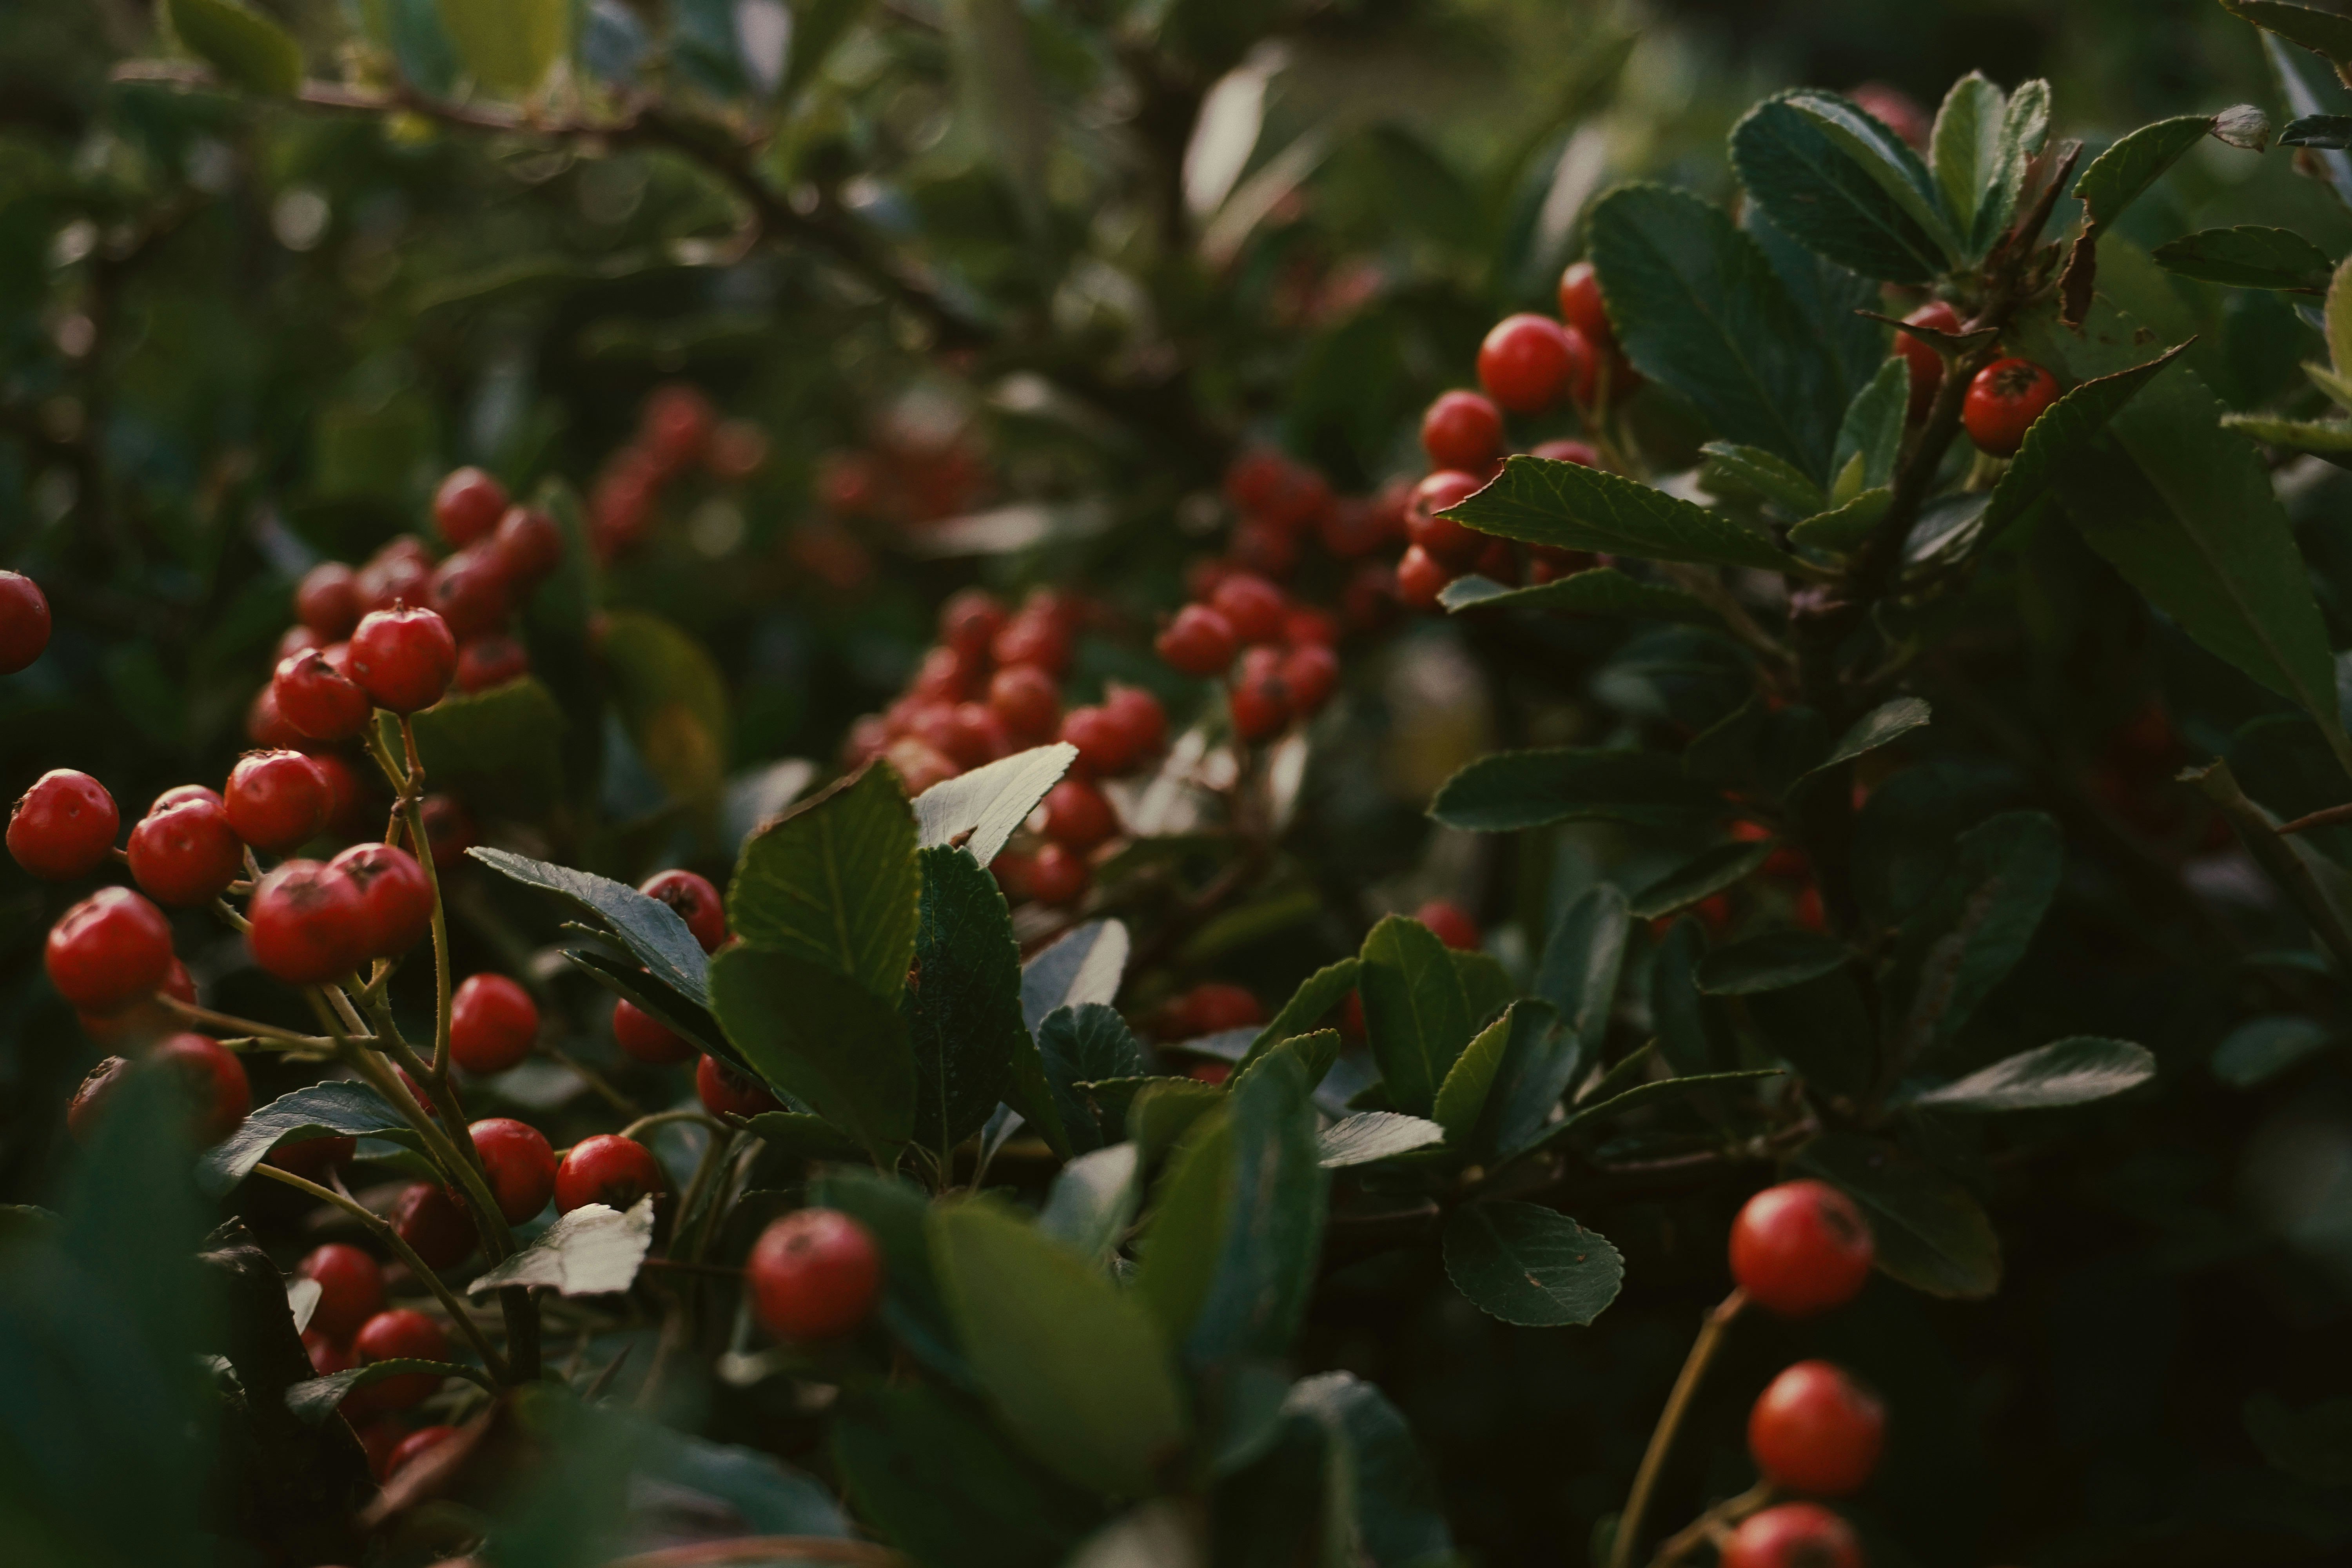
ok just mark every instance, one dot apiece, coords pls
pixel 1527 361
pixel 327 1358
pixel 1056 876
pixel 1816 1430
pixel 448 831
pixel 185 853
pixel 467 506
pixel 87 1107
pixel 1199 641
pixel 265 726
pixel 489 661
pixel 1104 747
pixel 401 1335
pixel 607 1169
pixel 309 923
pixel 435 1225
pixel 1582 305
pixel 527 546
pixel 517 1162
pixel 418 1444
pixel 318 700
pixel 1567 452
pixel 2007 396
pixel 1792 1535
pixel 947 675
pixel 24 622
pixel 1895 109
pixel 1450 923
pixel 392 580
pixel 1420 578
pixel 1351 1017
pixel 351 1288
pixel 1255 479
pixel 726 1092
pixel 110 950
pixel 1353 527
pixel 468 592
pixel 493 1024
pixel 395 900
pixel 219 1092
pixel 1253 606
pixel 1925 362
pixel 1023 699
pixel 1214 1006
pixel 312 1158
pixel 1077 814
pixel 63 827
pixel 276 800
pixel 1261 547
pixel 1310 625
pixel 984 732
pixel 647 1038
pixel 1213 1073
pixel 947 730
pixel 1441 536
pixel 1031 637
pixel 1462 431
pixel 1259 699
pixel 970 621
pixel 918 764
pixel 293 640
pixel 404 658
pixel 327 601
pixel 1139 712
pixel 695 901
pixel 347 798
pixel 677 423
pixel 1311 673
pixel 815 1275
pixel 1800 1248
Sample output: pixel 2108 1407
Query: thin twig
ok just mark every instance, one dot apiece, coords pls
pixel 1669 1420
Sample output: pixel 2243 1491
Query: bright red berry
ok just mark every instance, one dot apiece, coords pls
pixel 1145 720
pixel 63 827
pixel 312 1158
pixel 24 622
pixel 309 923
pixel 1056 875
pixel 1023 699
pixel 401 1334
pixel 1582 305
pixel 276 800
pixel 1450 923
pixel 970 621
pixel 1527 361
pixel 1800 1248
pixel 416 1445
pixel 109 951
pixel 467 506
pixel 328 1358
pixel 327 601
pixel 947 675
pixel 213 1082
pixel 1420 578
pixel 647 1038
pixel 320 701
pixel 696 901
pixel 1924 360
pixel 2007 396
pixel 1259 699
pixel 1567 452
pixel 1305 625
pixel 185 853
pixel 1442 537
pixel 1310 672
pixel 726 1092
pixel 395 900
pixel 1199 641
pixel 1031 637
pixel 493 1023
pixel 1105 748
pixel 1210 1071
pixel 489 661
pixel 1253 606
pixel 1214 1005
pixel 468 592
pixel 1462 431
pixel 351 1288
pixel 527 546
pixel 404 658
pixel 1078 815
pixel 1816 1430
pixel 676 423
pixel 815 1275
pixel 607 1169
pixel 518 1162
pixel 434 1225
pixel 398 574
pixel 1792 1535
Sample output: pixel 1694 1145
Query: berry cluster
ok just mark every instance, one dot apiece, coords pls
pixel 1287 667
pixel 678 430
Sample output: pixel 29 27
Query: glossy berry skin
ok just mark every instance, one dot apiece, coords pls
pixel 1077 814
pixel 1420 578
pixel 1800 1248
pixel 489 661
pixel 1104 747
pixel 327 601
pixel 276 800
pixel 1058 875
pixel 401 1334
pixel 1441 536
pixel 1528 360
pixel 24 622
pixel 1140 713
pixel 2007 396
pixel 395 900
pixel 1815 1430
pixel 1199 641
pixel 1024 700
pixel 1450 923
pixel 527 546
pixel 1311 673
pixel 404 658
pixel 63 827
pixel 607 1169
pixel 493 1024
pixel 108 952
pixel 435 1225
pixel 318 699
pixel 1031 638
pixel 816 1274
pixel 1259 699
pixel 696 901
pixel 1462 431
pixel 185 853
pixel 219 1094
pixel 468 592
pixel 1925 363
pixel 396 576
pixel 645 1038
pixel 1582 305
pixel 416 1445
pixel 1792 1535
pixel 518 1162
pixel 726 1092
pixel 351 1289
pixel 1253 606
pixel 309 923
pixel 467 506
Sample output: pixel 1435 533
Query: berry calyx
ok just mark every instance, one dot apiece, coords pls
pixel 1925 361
pixel 1078 815
pixel 435 1225
pixel 1527 361
pixel 467 506
pixel 24 622
pixel 696 901
pixel 2004 400
pixel 518 1162
pixel 308 923
pixel 395 900
pixel 1450 923
pixel 726 1092
pixel 214 1080
pixel 816 1274
pixel 351 1289
pixel 401 1334
pixel 647 1038
pixel 276 801
pixel 185 852
pixel 1462 431
pixel 108 952
pixel 1792 1535
pixel 1816 1430
pixel 1199 641
pixel 319 700
pixel 404 658
pixel 63 827
pixel 493 1024
pixel 607 1169
pixel 1800 1248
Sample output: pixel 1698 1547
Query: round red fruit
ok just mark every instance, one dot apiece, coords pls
pixel 213 1082
pixel 1259 699
pixel 1024 701
pixel 1441 536
pixel 1311 673
pixel 63 827
pixel 1253 606
pixel 1031 637
pixel 395 899
pixel 351 1289
pixel 1462 431
pixel 404 658
pixel 489 661
pixel 24 622
pixel 1582 305
pixel 1214 1006
pixel 414 1447
pixel 1793 1535
pixel 815 1275
pixel 1450 923
pixel 1056 875
pixel 468 592
pixel 467 506
pixel 449 830
pixel 677 423
pixel 1139 712
pixel 109 951
pixel 87 1107
pixel 312 1158
pixel 647 1038
pixel 1077 814
pixel 970 621
pixel 309 923
pixel 1420 578
pixel 493 1023
pixel 401 1334
pixel 327 601
pixel 1199 641
pixel 1527 361
pixel 185 853
pixel 320 701
pixel 328 1358
pixel 2004 400
pixel 726 1092
pixel 607 1169
pixel 518 1162
pixel 695 903
pixel 1925 362
pixel 276 801
pixel 1815 1430
pixel 1104 747
pixel 434 1225
pixel 1800 1248
pixel 527 546
pixel 1575 452
pixel 398 574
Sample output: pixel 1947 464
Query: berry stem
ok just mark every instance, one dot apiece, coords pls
pixel 226 1024
pixel 413 807
pixel 663 1117
pixel 1713 1525
pixel 1669 1420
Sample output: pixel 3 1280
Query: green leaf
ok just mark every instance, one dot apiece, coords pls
pixel 2301 435
pixel 817 27
pixel 650 930
pixel 822 1038
pixel 641 990
pixel 502 748
pixel 963 1000
pixel 946 1488
pixel 1086 965
pixel 1271 1224
pixel 1578 973
pixel 593 1251
pixel 1834 304
pixel 2328 130
pixel 1769 476
pixel 2323 33
pixel 2249 257
pixel 1415 1010
pixel 669 693
pixel 245 47
pixel 1074 1367
pixel 1371 1135
pixel 1531 1266
pixel 1883 725
pixel 1724 865
pixel 1486 985
pixel 914 1303
pixel 2121 175
pixel 1930 1233
pixel 1873 427
pixel 1538 501
pixel 2066 429
pixel 2259 1050
pixel 2071 1071
pixel 1093 1202
pixel 1974 928
pixel 1158 1111
pixel 1692 1032
pixel 1844 184
pixel 798 1135
pixel 1087 1044
pixel 510 46
pixel 1596 591
pixel 1462 1098
pixel 1643 1094
pixel 982 808
pixel 1843 530
pixel 1699 308
pixel 1511 790
pixel 2339 322
pixel 1821 1027
pixel 336 1108
pixel 1774 962
pixel 836 881
pixel 313 1400
pixel 1309 1005
pixel 1982 146
pixel 1380 1505
pixel 998 98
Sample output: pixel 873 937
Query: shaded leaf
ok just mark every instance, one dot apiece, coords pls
pixel 1872 431
pixel 315 1399
pixel 593 1250
pixel 2066 428
pixel 650 930
pixel 508 47
pixel 2324 33
pixel 1656 1089
pixel 245 47
pixel 984 807
pixel 2247 257
pixel 1085 965
pixel 502 748
pixel 1317 995
pixel 1930 1233
pixel 335 1108
pixel 2328 130
pixel 1093 1202
pixel 1581 958
pixel 1975 927
pixel 836 881
pixel 963 1000
pixel 914 1304
pixel 825 1040
pixel 1844 184
pixel 1766 474
pixel 1843 530
pixel 1531 1266
pixel 1415 1010
pixel 1596 591
pixel 1088 1043
pixel 1381 1504
pixel 941 1480
pixel 1821 1027
pixel 1511 790
pixel 1571 507
pixel 2261 1048
pixel 1881 726
pixel 2073 1071
pixel 1712 871
pixel 1772 961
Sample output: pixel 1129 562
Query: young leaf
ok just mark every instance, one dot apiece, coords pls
pixel 1531 1266
pixel 1712 871
pixel 595 1250
pixel 1843 530
pixel 2065 1072
pixel 1766 474
pixel 1093 1202
pixel 1569 506
pixel 1317 995
pixel 1883 725
pixel 940 1480
pixel 1371 1135
pixel 1774 962
pixel 1596 591
pixel 1930 1233
pixel 247 49
pixel 666 687
pixel 1511 790
pixel 1975 928
pixel 2249 257
pixel 1873 427
pixel 1087 1044
pixel 834 881
pixel 826 1040
pixel 1414 1010
pixel 652 931
pixel 963 1000
pixel 319 1109
pixel 1844 184
pixel 981 809
pixel 1964 149
pixel 1699 308
pixel 508 47
pixel 1463 1096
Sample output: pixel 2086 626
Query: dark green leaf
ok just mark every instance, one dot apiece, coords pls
pixel 1371 1135
pixel 1415 1010
pixel 666 688
pixel 1380 1505
pixel 836 881
pixel 1881 726
pixel 2247 257
pixel 825 1040
pixel 768 1496
pixel 1462 1098
pixel 946 1488
pixel 1093 1202
pixel 245 47
pixel 1774 962
pixel 315 1399
pixel 2311 88
pixel 503 747
pixel 1724 865
pixel 592 1250
pixel 1084 966
pixel 1843 528
pixel 1317 1053
pixel 641 990
pixel 817 27
pixel 1844 184
pixel 1486 986
pixel 1531 1266
pixel 1773 477
pixel 801 1136
pixel 1087 1044
pixel 962 1001
pixel 1832 301
pixel 981 809
pixel 1309 1005
pixel 2065 1072
pixel 914 1305
pixel 2261 1048
pixel 1511 790
pixel 1158 1111
pixel 1596 591
pixel 2323 33
pixel 649 928
pixel 1930 1233
pixel 1578 973
pixel 1571 507
pixel 1642 1094
pixel 509 48
pixel 2065 429
pixel 319 1110
pixel 1870 434
pixel 1692 1032
pixel 1821 1027
pixel 1975 928
pixel 2329 130
pixel 2121 175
